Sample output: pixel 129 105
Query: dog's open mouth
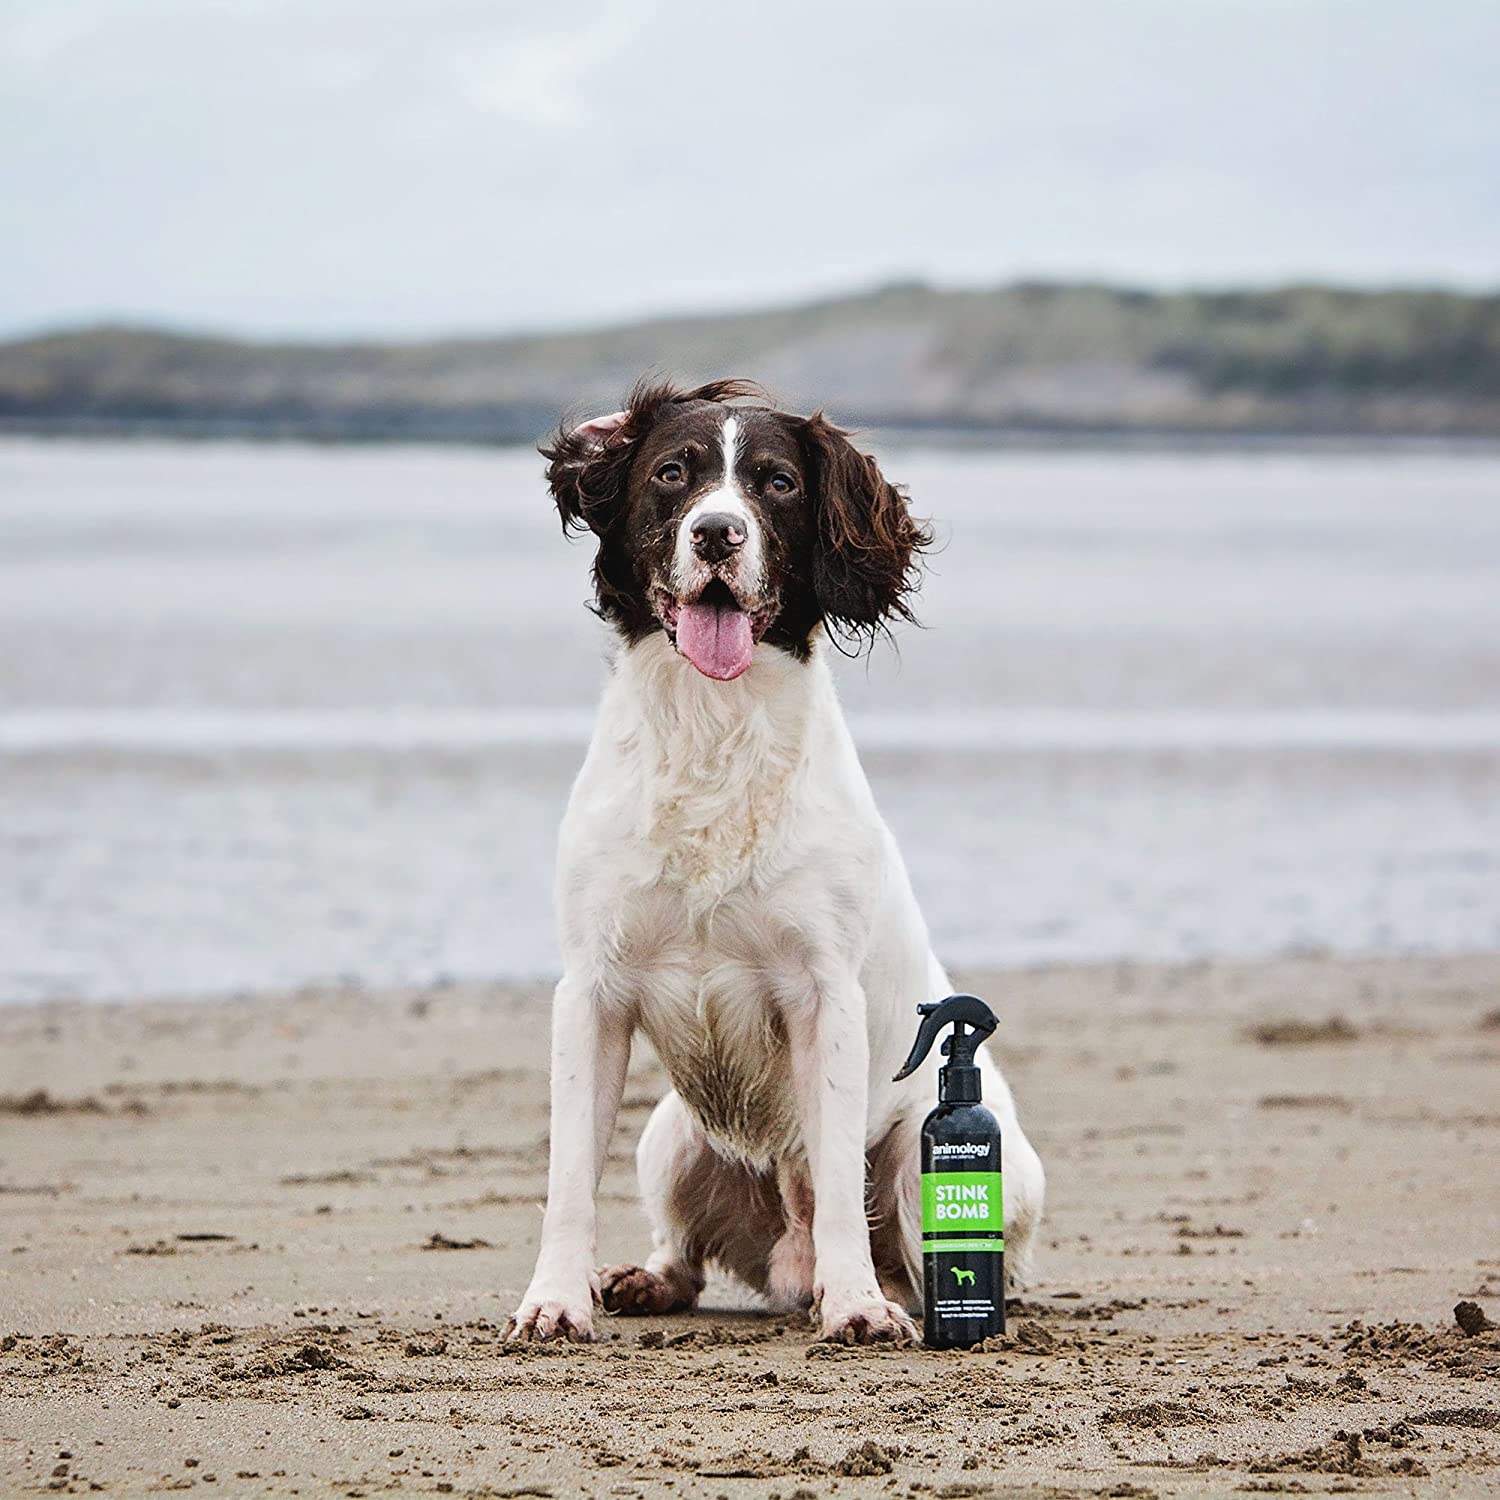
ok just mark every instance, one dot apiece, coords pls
pixel 715 632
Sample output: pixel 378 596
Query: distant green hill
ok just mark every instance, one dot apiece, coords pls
pixel 1030 357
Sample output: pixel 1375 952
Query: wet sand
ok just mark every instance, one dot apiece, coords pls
pixel 268 1246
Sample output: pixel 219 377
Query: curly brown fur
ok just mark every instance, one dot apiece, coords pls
pixel 868 559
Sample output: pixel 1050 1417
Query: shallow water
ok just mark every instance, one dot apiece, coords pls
pixel 270 715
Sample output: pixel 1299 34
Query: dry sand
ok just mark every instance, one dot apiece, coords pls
pixel 268 1246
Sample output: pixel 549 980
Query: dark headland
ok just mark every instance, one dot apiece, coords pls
pixel 1045 360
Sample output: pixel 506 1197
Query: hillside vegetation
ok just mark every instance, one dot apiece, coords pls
pixel 1032 357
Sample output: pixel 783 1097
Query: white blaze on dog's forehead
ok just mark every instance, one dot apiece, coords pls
pixel 731 442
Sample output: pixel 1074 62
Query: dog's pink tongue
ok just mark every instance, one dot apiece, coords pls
pixel 716 638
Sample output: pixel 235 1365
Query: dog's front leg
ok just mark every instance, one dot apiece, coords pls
pixel 590 1053
pixel 830 1053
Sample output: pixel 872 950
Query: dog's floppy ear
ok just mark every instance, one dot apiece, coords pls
pixel 587 467
pixel 867 555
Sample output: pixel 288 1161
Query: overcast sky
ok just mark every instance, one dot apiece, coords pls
pixel 408 166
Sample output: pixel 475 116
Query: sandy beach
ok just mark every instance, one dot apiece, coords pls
pixel 268 1246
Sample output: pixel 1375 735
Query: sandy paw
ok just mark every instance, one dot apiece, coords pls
pixel 865 1320
pixel 635 1290
pixel 542 1317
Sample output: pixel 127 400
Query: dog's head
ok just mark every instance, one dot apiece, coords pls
pixel 725 525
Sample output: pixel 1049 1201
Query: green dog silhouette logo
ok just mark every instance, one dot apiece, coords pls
pixel 962 1276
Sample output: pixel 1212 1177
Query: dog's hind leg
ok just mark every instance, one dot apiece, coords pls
pixel 1025 1183
pixel 702 1207
pixel 672 1277
pixel 895 1205
pixel 1024 1191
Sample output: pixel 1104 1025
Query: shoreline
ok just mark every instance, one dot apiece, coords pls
pixel 1127 973
pixel 278 1237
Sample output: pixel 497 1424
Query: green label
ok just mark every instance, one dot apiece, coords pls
pixel 968 1202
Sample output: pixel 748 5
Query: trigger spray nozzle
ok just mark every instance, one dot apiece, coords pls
pixel 972 1021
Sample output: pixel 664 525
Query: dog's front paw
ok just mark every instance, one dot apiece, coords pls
pixel 861 1318
pixel 555 1312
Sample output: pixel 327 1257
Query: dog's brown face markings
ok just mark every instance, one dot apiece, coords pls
pixel 839 545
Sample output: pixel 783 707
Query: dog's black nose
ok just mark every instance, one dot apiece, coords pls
pixel 717 534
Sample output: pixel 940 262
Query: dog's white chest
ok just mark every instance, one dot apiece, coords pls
pixel 711 991
pixel 730 1066
pixel 720 837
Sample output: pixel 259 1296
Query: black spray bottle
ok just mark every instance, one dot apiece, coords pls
pixel 963 1213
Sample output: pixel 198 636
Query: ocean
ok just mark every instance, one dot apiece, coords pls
pixel 282 715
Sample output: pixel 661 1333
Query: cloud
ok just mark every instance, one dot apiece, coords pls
pixel 545 80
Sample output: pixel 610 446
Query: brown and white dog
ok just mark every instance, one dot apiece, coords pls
pixel 726 885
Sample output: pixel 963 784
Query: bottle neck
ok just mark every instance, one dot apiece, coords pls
pixel 958 1083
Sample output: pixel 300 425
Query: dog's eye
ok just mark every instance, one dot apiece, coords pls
pixel 671 472
pixel 782 484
